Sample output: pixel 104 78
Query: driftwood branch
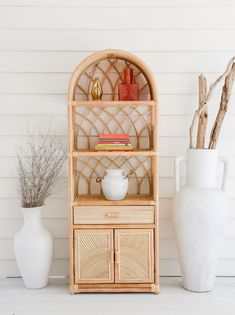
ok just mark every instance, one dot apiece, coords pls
pixel 226 93
pixel 202 120
pixel 200 109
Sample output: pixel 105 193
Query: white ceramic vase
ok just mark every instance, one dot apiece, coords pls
pixel 33 246
pixel 199 214
pixel 114 184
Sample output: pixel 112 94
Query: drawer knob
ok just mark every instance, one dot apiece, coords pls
pixel 113 215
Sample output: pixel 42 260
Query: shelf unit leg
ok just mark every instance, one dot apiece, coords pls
pixel 155 288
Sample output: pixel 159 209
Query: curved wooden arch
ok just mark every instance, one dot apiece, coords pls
pixel 112 54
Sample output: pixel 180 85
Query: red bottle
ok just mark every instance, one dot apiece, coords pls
pixel 128 90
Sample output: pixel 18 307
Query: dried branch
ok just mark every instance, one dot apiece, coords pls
pixel 203 118
pixel 40 169
pixel 202 108
pixel 226 93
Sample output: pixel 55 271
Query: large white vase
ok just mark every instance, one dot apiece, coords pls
pixel 199 214
pixel 33 246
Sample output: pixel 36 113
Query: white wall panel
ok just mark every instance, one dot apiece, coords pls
pixel 192 40
pixel 65 61
pixel 120 18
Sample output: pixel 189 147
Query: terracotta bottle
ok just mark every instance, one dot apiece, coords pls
pixel 128 90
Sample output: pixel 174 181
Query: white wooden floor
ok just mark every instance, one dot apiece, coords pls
pixel 55 299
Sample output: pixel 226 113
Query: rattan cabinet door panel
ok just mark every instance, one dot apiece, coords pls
pixel 134 256
pixel 94 256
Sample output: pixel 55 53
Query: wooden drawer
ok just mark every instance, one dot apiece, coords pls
pixel 113 214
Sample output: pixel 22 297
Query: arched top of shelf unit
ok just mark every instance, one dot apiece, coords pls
pixel 108 66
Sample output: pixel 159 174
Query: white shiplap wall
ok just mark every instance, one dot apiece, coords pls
pixel 41 42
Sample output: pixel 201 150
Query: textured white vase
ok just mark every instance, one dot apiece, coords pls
pixel 199 214
pixel 33 246
pixel 114 184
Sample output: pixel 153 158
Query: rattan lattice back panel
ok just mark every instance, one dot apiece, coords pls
pixel 135 251
pixel 90 168
pixel 109 71
pixel 94 120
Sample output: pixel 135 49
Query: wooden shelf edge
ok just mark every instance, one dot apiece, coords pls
pixel 113 103
pixel 113 153
pixel 115 226
pixel 99 200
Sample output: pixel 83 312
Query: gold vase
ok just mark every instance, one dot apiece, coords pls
pixel 96 91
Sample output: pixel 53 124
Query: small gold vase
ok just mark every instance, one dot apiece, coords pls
pixel 96 91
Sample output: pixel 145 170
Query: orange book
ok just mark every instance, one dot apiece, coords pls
pixel 113 136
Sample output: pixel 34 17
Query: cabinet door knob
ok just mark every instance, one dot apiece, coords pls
pixel 111 257
pixel 116 256
pixel 112 215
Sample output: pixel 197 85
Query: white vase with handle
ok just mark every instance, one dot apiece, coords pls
pixel 199 214
pixel 114 184
pixel 33 246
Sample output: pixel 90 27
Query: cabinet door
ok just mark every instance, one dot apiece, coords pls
pixel 94 256
pixel 134 256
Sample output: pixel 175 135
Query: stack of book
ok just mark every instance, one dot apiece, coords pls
pixel 116 142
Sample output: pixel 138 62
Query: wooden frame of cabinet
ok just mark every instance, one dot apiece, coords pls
pixel 108 238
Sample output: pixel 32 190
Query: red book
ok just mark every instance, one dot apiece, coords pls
pixel 113 136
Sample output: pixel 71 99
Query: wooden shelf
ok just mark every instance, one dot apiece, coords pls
pixel 113 103
pixel 113 153
pixel 99 200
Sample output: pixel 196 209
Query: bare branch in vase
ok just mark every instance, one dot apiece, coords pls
pixel 202 120
pixel 200 109
pixel 226 93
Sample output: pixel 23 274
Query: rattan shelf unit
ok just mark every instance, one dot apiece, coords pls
pixel 113 244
